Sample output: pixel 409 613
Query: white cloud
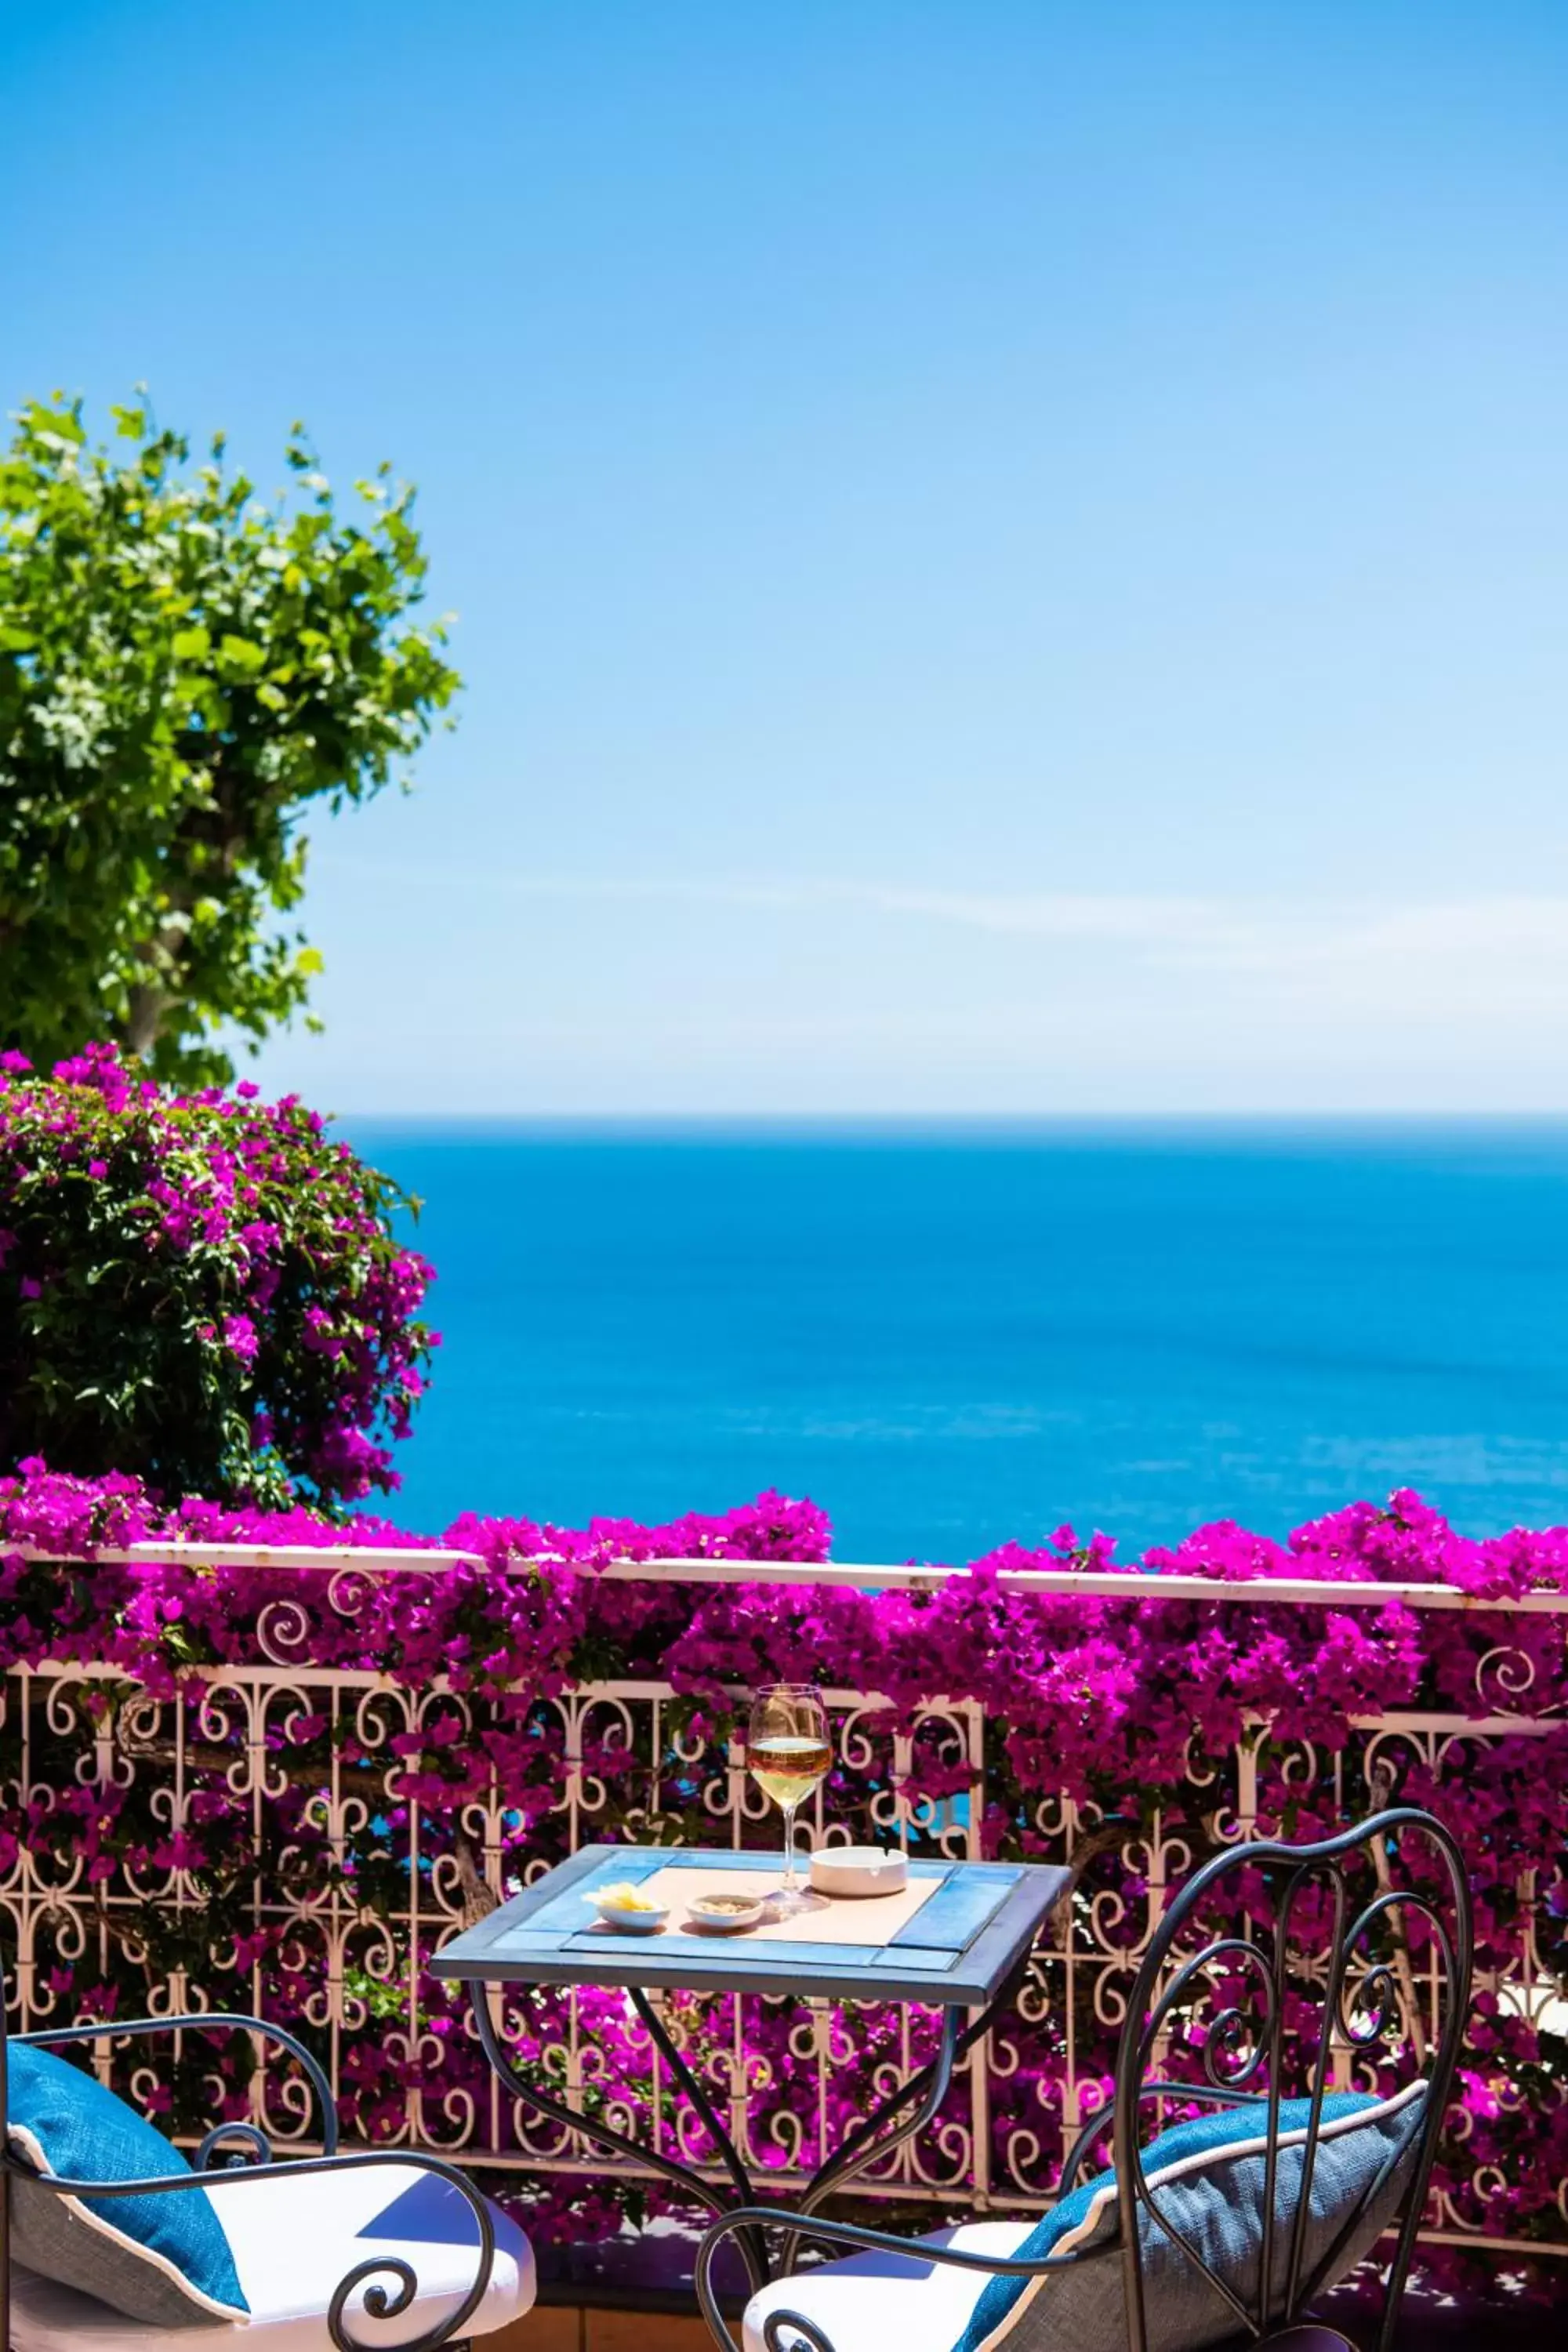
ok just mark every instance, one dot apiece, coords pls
pixel 1484 949
pixel 807 993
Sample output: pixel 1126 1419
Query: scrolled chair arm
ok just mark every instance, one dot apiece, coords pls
pixel 225 2135
pixel 841 2234
pixel 207 2022
pixel 379 2302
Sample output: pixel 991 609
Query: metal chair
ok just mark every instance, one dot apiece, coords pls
pixel 1363 1980
pixel 298 2226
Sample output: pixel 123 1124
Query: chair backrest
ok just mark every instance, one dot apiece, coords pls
pixel 1350 1961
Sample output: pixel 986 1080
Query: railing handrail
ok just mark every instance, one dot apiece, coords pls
pixel 1073 1583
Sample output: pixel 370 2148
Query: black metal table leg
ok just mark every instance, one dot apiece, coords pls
pixel 921 2096
pixel 708 2113
pixel 606 2136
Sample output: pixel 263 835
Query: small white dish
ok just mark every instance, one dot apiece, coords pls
pixel 726 1915
pixel 644 1919
pixel 859 1870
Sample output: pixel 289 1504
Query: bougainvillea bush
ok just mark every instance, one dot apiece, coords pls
pixel 202 1289
pixel 314 1841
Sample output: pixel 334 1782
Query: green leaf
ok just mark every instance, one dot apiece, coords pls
pixel 190 645
pixel 241 654
pixel 53 422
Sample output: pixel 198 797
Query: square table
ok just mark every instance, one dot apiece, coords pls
pixel 957 1938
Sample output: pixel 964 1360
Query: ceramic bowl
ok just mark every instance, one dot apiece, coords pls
pixel 703 1911
pixel 630 1923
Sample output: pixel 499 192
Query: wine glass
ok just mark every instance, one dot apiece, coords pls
pixel 788 1751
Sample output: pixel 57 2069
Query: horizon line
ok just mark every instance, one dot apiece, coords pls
pixel 947 1121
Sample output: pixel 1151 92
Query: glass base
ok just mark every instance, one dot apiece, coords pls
pixel 787 1903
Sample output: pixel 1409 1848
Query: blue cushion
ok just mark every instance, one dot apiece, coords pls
pixel 1218 2206
pixel 164 2258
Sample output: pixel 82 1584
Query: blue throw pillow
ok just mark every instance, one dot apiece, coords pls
pixel 160 2257
pixel 1211 2170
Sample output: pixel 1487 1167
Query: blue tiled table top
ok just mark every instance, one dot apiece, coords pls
pixel 957 1949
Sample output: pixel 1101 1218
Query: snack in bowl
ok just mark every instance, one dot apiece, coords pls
pixel 625 1907
pixel 727 1912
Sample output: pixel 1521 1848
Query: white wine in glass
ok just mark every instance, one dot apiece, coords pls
pixel 788 1753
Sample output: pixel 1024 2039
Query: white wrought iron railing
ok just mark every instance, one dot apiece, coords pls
pixel 356 1965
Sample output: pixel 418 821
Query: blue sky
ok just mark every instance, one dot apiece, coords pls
pixel 1009 558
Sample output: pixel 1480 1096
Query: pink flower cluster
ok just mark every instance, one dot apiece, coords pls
pixel 204 1290
pixel 1132 1708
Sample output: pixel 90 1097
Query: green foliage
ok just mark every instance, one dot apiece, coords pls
pixel 183 672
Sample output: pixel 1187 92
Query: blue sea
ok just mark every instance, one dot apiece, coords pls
pixel 951 1338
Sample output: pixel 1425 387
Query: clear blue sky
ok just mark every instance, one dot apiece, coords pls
pixel 1009 557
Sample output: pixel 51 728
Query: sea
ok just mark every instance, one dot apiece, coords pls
pixel 950 1338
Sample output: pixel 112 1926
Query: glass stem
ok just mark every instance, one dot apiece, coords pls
pixel 789 1813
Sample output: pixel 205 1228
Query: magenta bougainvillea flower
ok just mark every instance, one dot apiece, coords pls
pixel 204 1288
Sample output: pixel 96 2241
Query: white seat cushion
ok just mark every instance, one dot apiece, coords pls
pixel 294 2240
pixel 875 2300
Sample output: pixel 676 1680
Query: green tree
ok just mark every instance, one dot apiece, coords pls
pixel 184 671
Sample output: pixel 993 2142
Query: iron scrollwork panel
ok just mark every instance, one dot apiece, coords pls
pixel 297 1839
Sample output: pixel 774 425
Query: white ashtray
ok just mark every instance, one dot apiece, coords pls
pixel 858 1870
pixel 629 1909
